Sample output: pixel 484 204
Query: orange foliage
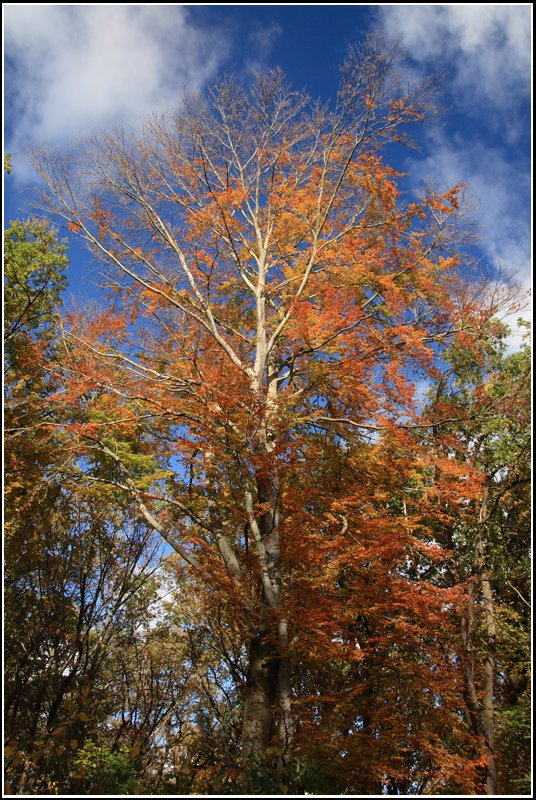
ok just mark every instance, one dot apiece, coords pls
pixel 270 344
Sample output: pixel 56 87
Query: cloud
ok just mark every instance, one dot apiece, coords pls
pixel 498 189
pixel 71 69
pixel 260 42
pixel 486 49
pixel 485 52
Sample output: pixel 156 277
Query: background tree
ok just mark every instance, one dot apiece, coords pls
pixel 72 560
pixel 34 265
pixel 487 397
pixel 93 683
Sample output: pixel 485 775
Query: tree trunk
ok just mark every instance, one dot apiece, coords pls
pixel 488 714
pixel 261 685
pixel 480 713
pixel 267 708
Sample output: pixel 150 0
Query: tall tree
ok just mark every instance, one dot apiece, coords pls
pixel 72 560
pixel 274 300
pixel 486 396
pixel 34 267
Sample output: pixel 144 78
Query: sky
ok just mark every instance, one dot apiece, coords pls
pixel 72 69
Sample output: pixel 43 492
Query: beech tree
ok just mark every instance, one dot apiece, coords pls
pixel 250 391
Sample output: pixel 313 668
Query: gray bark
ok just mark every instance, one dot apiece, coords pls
pixel 480 713
pixel 488 714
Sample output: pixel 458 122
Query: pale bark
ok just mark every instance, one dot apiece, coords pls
pixel 488 713
pixel 286 723
pixel 480 712
pixel 267 707
pixel 257 724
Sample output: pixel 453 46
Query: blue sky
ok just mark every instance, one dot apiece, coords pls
pixel 71 69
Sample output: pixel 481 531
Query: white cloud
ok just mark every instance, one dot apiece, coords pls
pixel 497 186
pixel 486 54
pixel 72 69
pixel 499 191
pixel 259 43
pixel 486 48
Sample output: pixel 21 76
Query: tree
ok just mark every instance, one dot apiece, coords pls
pixel 488 401
pixel 34 266
pixel 250 391
pixel 72 560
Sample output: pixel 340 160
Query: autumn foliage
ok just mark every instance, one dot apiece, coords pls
pixel 250 394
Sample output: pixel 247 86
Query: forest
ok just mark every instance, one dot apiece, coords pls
pixel 267 498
